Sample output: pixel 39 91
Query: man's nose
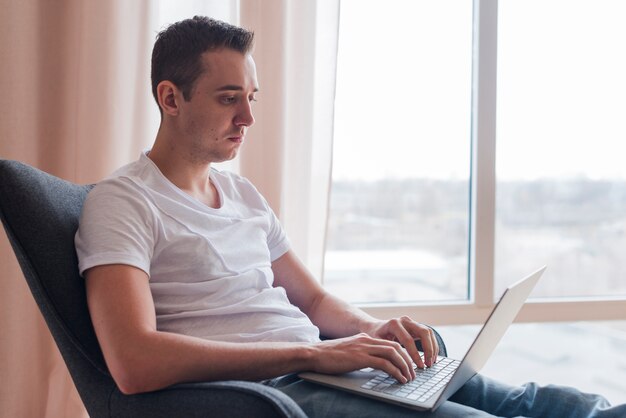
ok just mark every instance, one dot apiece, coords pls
pixel 244 116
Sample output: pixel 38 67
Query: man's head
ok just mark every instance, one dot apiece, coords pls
pixel 204 81
pixel 177 53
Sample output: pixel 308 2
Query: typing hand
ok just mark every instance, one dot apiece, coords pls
pixel 405 331
pixel 360 351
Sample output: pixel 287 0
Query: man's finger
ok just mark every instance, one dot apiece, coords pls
pixel 435 345
pixel 398 356
pixel 429 343
pixel 405 338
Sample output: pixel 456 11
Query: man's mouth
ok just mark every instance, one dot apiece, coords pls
pixel 236 139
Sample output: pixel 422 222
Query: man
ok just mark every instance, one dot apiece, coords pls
pixel 189 274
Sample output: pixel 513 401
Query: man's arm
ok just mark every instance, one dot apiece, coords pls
pixel 336 318
pixel 141 358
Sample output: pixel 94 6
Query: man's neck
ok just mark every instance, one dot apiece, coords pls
pixel 191 177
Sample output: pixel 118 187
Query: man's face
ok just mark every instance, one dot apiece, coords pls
pixel 214 121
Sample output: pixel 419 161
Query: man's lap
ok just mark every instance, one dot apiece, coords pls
pixel 479 397
pixel 319 401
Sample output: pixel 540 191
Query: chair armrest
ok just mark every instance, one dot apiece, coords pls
pixel 211 399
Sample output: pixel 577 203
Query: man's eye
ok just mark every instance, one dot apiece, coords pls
pixel 229 100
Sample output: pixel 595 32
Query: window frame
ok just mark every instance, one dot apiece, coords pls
pixel 482 214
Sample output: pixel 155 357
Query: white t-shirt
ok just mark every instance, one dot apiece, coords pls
pixel 210 269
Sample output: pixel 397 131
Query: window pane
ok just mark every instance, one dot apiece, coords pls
pixel 561 190
pixel 399 211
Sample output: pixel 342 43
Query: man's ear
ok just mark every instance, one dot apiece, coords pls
pixel 169 97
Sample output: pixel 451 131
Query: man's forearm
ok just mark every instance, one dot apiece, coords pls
pixel 336 318
pixel 159 359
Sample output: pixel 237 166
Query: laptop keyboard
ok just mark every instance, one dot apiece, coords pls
pixel 426 383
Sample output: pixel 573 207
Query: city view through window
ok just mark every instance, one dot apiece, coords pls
pixel 400 201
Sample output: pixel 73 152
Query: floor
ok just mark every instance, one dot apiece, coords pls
pixel 589 356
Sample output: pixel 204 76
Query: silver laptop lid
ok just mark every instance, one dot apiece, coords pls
pixel 501 317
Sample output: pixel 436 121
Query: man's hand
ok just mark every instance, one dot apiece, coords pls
pixel 359 351
pixel 405 331
pixel 337 319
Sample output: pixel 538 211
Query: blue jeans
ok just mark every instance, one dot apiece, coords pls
pixel 480 397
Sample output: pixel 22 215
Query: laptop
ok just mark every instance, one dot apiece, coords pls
pixel 436 384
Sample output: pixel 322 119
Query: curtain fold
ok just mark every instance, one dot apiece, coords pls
pixel 77 103
pixel 289 152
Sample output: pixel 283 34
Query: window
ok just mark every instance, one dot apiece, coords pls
pixel 561 180
pixel 475 142
pixel 399 217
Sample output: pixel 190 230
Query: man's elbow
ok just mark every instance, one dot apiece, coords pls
pixel 134 377
pixel 131 385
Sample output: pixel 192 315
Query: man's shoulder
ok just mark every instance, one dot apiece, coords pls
pixel 129 178
pixel 126 186
pixel 120 186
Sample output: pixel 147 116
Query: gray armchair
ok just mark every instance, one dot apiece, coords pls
pixel 40 215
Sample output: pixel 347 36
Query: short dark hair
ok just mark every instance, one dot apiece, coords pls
pixel 178 49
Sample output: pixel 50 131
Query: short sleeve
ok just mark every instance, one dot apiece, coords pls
pixel 277 240
pixel 116 227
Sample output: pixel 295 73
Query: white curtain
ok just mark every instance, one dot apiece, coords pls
pixel 77 103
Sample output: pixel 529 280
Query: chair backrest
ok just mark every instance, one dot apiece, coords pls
pixel 40 215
